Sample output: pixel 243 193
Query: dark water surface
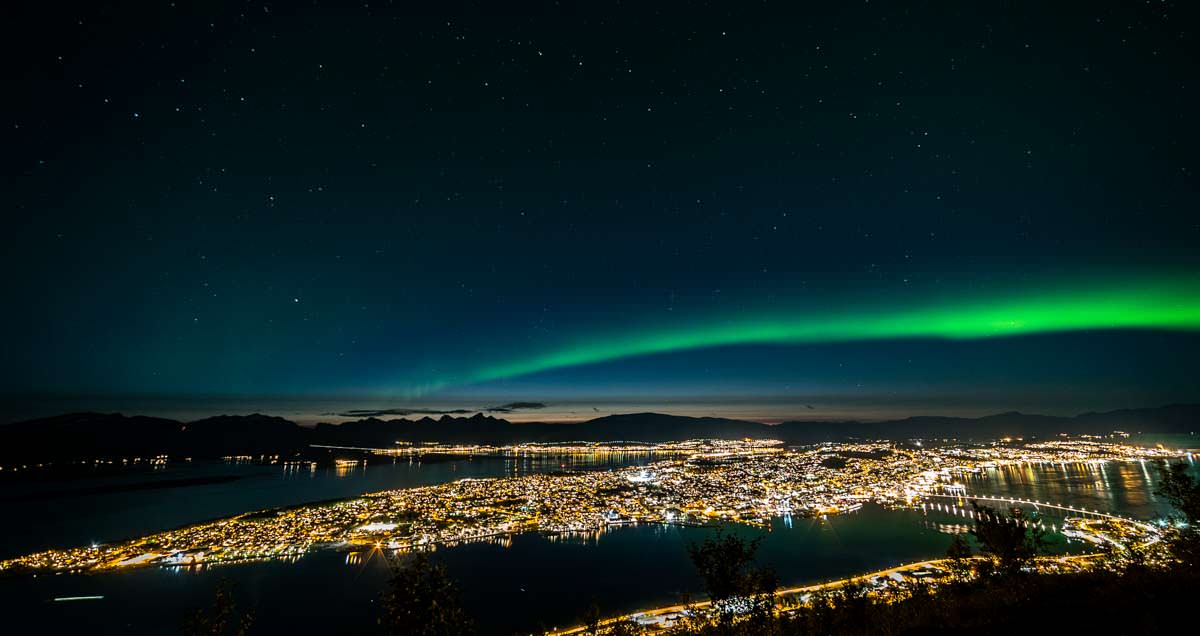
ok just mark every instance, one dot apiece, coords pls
pixel 535 581
pixel 65 513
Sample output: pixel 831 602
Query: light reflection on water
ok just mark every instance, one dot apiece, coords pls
pixel 1126 488
pixel 52 518
pixel 513 583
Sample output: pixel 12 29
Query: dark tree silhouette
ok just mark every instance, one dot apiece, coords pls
pixel 1011 545
pixel 222 619
pixel 1183 492
pixel 422 600
pixel 959 555
pixel 726 564
pixel 592 618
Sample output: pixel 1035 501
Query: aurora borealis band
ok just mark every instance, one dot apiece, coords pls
pixel 830 210
pixel 1169 305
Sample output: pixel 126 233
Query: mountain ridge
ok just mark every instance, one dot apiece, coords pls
pixel 87 435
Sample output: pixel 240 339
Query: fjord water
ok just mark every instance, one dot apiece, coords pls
pixel 135 502
pixel 529 582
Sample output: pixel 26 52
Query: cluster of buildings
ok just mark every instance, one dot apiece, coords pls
pixel 698 482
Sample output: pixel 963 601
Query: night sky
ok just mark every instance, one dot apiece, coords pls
pixel 851 209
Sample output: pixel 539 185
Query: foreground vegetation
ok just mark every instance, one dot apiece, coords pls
pixel 1132 602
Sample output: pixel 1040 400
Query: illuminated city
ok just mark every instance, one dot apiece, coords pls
pixel 744 482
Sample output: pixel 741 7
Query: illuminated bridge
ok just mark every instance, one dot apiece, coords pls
pixel 1038 505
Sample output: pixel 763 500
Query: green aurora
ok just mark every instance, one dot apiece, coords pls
pixel 1168 303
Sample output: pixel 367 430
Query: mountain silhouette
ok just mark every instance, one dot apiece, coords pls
pixel 88 436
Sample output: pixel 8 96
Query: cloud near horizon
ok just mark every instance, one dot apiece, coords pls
pixel 516 406
pixel 509 407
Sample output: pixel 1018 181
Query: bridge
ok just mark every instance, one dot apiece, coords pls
pixel 1038 505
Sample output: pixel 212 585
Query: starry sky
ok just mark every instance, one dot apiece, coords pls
pixel 767 209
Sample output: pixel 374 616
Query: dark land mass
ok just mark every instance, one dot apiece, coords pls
pixel 88 436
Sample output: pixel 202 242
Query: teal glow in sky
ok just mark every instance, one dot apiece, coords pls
pixel 409 204
pixel 1166 304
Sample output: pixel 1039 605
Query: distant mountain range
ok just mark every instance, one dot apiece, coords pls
pixel 77 436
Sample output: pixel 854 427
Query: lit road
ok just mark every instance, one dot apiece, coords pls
pixel 791 591
pixel 806 589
